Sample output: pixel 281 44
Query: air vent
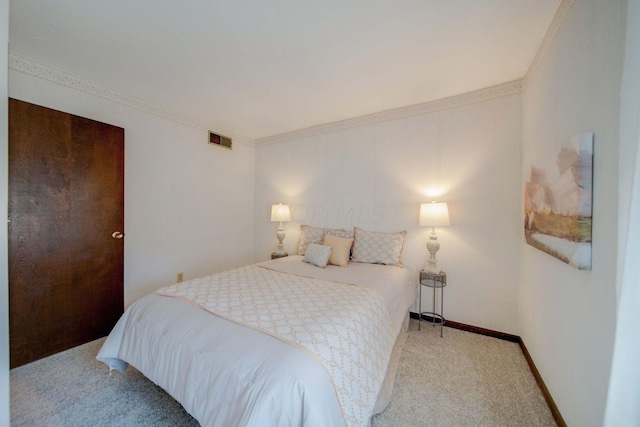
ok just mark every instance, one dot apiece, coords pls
pixel 220 140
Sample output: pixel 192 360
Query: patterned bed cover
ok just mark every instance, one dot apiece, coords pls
pixel 282 348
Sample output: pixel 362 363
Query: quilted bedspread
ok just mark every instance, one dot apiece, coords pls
pixel 337 323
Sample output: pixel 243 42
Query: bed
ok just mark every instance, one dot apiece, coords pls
pixel 277 343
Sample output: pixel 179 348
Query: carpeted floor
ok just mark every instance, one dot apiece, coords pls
pixel 462 379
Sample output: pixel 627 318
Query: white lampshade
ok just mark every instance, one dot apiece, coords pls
pixel 280 213
pixel 434 214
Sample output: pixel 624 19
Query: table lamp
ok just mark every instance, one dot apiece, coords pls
pixel 433 215
pixel 280 213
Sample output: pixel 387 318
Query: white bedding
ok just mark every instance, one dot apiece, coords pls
pixel 397 285
pixel 226 374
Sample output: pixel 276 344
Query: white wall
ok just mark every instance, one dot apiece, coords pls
pixel 567 315
pixel 624 387
pixel 4 279
pixel 629 114
pixel 188 205
pixel 376 176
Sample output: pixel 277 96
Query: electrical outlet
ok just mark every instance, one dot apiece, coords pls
pixel 180 277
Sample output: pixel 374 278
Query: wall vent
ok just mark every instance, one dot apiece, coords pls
pixel 220 140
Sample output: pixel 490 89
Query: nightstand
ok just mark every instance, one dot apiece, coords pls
pixel 276 256
pixel 434 281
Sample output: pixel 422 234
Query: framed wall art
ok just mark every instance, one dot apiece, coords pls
pixel 558 203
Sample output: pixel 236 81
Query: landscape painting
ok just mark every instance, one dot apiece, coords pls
pixel 558 203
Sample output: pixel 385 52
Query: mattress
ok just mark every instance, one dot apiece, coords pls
pixel 225 371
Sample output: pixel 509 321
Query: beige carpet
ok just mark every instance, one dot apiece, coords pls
pixel 462 379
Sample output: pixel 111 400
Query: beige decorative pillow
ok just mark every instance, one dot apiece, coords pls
pixel 310 235
pixel 340 249
pixel 317 255
pixel 375 247
pixel 341 233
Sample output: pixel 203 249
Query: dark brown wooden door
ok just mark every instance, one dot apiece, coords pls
pixel 66 199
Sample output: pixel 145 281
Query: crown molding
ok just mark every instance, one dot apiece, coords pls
pixel 481 95
pixel 558 19
pixel 46 72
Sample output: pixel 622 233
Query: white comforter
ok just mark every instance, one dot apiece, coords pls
pixel 226 374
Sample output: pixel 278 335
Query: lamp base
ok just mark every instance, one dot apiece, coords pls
pixel 280 235
pixel 433 246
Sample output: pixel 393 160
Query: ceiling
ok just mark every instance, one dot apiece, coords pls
pixel 259 68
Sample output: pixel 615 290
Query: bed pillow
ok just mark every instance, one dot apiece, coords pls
pixel 340 249
pixel 317 255
pixel 375 247
pixel 310 235
pixel 340 233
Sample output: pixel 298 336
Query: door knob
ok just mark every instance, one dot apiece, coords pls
pixel 117 235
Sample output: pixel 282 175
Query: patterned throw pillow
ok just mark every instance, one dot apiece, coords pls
pixel 340 249
pixel 310 235
pixel 378 248
pixel 317 255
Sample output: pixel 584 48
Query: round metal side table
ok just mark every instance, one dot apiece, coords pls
pixel 434 281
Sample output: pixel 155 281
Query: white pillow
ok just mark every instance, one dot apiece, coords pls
pixel 317 255
pixel 378 248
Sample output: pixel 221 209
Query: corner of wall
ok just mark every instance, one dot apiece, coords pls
pixel 4 279
pixel 574 87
